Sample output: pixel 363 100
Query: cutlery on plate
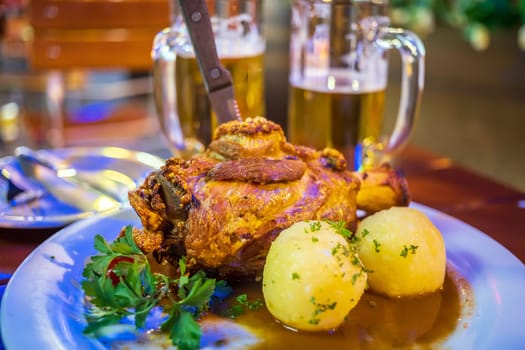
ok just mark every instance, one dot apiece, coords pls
pixel 8 189
pixel 110 182
pixel 13 194
pixel 63 182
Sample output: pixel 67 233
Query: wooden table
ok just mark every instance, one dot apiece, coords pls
pixel 495 209
pixel 434 181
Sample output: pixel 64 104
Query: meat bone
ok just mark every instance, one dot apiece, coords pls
pixel 217 79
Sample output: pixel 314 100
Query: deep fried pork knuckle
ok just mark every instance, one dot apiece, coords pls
pixel 381 188
pixel 223 208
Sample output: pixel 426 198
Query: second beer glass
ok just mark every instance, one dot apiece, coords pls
pixel 338 78
pixel 181 99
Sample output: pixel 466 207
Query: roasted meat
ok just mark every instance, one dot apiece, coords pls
pixel 381 188
pixel 223 208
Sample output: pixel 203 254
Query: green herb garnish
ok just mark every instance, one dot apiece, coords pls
pixel 251 305
pixel 243 303
pixel 319 309
pixel 406 249
pixel 315 226
pixel 376 245
pixel 119 283
pixel 339 227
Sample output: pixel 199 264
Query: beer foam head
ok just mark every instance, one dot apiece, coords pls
pixel 340 80
pixel 234 37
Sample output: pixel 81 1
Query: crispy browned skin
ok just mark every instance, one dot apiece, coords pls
pixel 223 208
pixel 381 188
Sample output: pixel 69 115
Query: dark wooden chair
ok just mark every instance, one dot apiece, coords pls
pixel 71 36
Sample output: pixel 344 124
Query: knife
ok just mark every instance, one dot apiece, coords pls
pixel 110 182
pixel 62 184
pixel 14 193
pixel 217 79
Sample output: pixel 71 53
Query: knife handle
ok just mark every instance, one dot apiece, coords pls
pixel 33 157
pixel 197 18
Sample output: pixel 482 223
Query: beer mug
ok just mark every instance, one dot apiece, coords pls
pixel 338 78
pixel 183 108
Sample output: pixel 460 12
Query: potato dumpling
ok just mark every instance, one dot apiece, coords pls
pixel 403 250
pixel 312 278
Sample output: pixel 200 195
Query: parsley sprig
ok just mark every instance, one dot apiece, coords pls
pixel 242 304
pixel 119 283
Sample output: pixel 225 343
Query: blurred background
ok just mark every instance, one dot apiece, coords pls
pixel 88 76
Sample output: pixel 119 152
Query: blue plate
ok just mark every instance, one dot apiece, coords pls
pixel 43 303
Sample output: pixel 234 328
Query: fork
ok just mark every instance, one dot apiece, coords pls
pixel 8 189
pixel 12 194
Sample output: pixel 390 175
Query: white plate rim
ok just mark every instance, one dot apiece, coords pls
pixel 496 276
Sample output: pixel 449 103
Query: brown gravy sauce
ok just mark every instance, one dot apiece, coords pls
pixel 377 322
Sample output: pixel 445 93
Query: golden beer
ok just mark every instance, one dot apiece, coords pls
pixel 338 119
pixel 193 104
pixel 339 74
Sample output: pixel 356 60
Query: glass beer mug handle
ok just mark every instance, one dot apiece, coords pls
pixel 412 54
pixel 164 58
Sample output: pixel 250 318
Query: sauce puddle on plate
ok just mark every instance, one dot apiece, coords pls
pixel 377 322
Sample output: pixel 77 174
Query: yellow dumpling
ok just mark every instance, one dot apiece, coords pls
pixel 404 251
pixel 312 278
